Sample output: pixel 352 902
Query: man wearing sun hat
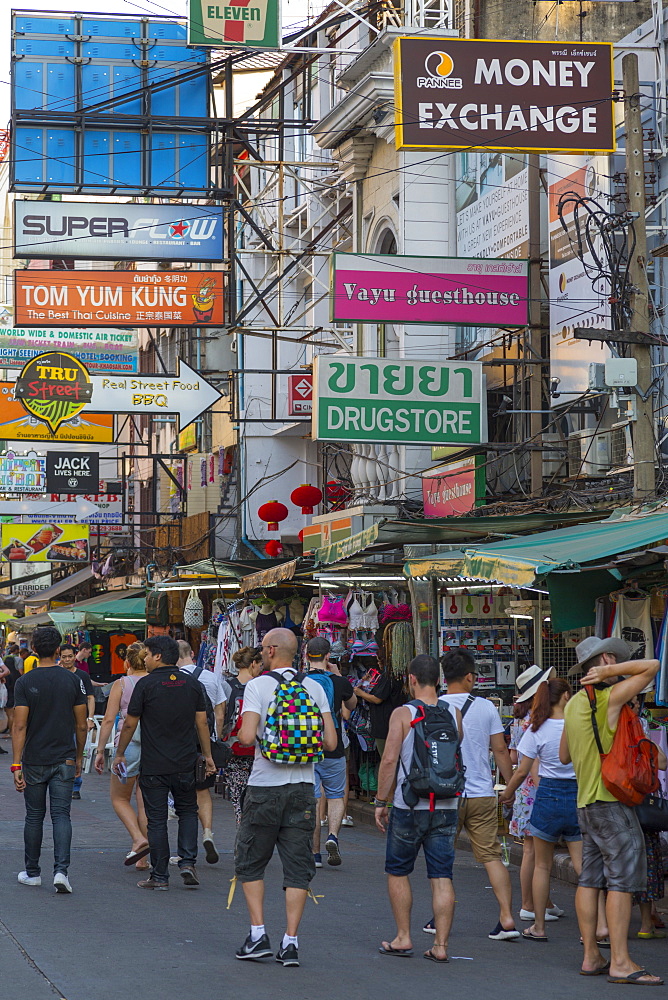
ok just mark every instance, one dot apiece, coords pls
pixel 613 847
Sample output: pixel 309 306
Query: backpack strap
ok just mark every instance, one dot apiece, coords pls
pixel 281 677
pixel 467 704
pixel 591 695
pixel 197 671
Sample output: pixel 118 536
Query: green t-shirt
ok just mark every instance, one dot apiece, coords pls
pixel 582 745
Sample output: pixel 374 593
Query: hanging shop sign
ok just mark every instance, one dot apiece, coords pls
pixel 461 93
pixel 73 472
pixel 407 402
pixel 105 231
pixel 55 386
pixel 455 290
pixel 22 473
pixel 67 543
pixel 255 24
pixel 300 395
pixel 100 350
pixel 455 488
pixel 107 298
pixel 576 299
pixel 17 424
pixel 27 580
pixel 106 510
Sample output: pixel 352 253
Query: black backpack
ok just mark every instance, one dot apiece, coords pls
pixel 436 769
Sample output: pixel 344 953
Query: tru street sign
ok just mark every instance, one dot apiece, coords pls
pixel 56 386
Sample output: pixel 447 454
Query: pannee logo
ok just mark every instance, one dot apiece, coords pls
pixel 439 67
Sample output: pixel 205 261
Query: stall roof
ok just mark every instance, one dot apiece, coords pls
pixel 210 567
pixel 455 530
pixel 520 561
pixel 270 577
pixel 60 588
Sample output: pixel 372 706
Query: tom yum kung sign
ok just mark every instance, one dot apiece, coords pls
pixel 458 290
pixel 407 402
pixel 461 93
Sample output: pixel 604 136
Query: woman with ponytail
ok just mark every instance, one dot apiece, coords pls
pixel 554 815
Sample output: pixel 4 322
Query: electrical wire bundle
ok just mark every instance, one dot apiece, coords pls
pixel 604 242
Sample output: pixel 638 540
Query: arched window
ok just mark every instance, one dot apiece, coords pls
pixel 387 242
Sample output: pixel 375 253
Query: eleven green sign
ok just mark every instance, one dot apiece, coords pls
pixel 405 402
pixel 245 24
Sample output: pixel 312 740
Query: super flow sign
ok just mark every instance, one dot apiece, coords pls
pixel 461 93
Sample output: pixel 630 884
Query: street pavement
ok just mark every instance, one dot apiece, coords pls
pixel 109 939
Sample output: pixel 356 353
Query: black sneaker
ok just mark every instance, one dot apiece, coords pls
pixel 76 795
pixel 255 949
pixel 332 848
pixel 189 876
pixel 288 956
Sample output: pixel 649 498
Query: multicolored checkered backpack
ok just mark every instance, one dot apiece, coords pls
pixel 293 731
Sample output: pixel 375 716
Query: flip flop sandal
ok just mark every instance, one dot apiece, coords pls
pixel 597 972
pixel 432 958
pixel 601 942
pixel 533 937
pixel 133 856
pixel 397 952
pixel 653 935
pixel 634 979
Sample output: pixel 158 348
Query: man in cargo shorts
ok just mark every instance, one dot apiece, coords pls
pixel 613 846
pixel 278 806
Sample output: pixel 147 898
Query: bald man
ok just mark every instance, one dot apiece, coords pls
pixel 279 805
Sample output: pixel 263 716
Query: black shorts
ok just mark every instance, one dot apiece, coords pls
pixel 281 816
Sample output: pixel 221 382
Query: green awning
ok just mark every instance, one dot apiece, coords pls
pixel 347 546
pixel 521 562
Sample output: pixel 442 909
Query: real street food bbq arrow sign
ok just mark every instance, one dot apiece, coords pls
pixel 56 386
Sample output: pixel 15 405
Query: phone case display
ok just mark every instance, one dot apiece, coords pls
pixel 496 644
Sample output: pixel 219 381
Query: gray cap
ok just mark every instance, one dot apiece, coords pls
pixel 592 647
pixel 318 648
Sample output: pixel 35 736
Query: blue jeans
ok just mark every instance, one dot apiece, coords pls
pixel 412 829
pixel 155 789
pixel 57 779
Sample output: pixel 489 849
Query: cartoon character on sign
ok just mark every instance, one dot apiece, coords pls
pixel 54 387
pixel 204 299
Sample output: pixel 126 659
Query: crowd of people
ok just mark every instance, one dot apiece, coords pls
pixel 279 737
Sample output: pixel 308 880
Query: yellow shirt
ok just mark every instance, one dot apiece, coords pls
pixel 582 745
pixel 29 663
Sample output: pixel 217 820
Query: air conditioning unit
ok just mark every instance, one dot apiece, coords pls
pixel 621 445
pixel 553 460
pixel 588 452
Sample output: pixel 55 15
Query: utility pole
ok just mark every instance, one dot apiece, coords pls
pixel 644 476
pixel 533 345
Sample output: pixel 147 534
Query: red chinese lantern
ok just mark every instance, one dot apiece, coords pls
pixel 337 494
pixel 306 497
pixel 273 548
pixel 272 513
pixel 300 535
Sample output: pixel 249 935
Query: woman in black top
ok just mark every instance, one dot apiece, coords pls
pixel 10 679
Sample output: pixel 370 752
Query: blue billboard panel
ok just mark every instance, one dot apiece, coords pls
pixel 97 103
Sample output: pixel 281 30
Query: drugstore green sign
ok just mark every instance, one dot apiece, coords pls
pixel 405 402
pixel 244 24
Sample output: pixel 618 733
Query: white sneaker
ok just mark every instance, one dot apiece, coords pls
pixel 61 883
pixel 554 911
pixel 324 822
pixel 347 821
pixel 174 860
pixel 26 879
pixel 530 915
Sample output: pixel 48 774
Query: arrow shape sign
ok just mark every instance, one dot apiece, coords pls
pixel 79 508
pixel 56 386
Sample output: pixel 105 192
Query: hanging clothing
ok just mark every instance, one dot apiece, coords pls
pixel 356 615
pixel 633 623
pixel 264 624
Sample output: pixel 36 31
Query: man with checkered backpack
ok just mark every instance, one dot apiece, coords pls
pixel 288 718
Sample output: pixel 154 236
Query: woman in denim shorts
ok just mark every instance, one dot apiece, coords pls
pixel 554 814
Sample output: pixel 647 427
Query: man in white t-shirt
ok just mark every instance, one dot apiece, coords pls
pixel 278 807
pixel 213 687
pixel 478 809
